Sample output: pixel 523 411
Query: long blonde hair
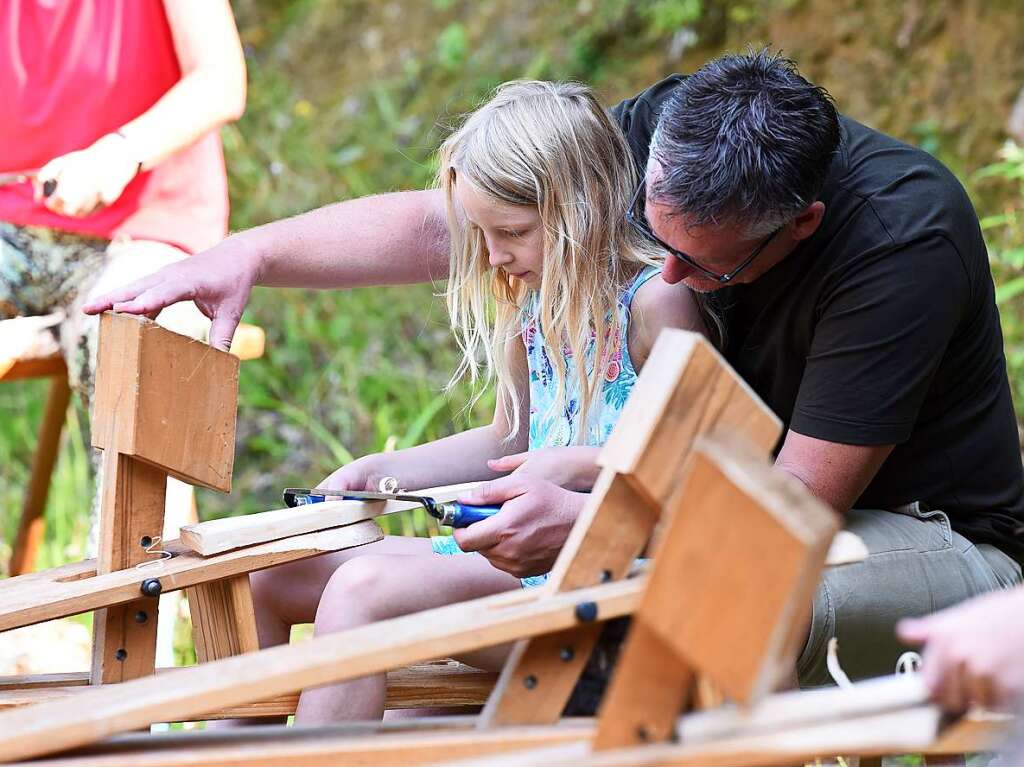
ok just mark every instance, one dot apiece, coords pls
pixel 551 146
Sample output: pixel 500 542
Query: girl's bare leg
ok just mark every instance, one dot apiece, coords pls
pixel 378 586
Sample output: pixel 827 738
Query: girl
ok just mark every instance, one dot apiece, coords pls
pixel 552 298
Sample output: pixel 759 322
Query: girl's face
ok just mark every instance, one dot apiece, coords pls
pixel 513 233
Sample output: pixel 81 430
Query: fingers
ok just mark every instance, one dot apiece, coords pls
pixel 481 536
pixel 223 330
pixel 913 631
pixel 507 463
pixel 496 491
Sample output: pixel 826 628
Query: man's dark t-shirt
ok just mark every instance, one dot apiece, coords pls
pixel 882 329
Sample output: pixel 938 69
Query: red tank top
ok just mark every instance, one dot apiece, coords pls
pixel 74 70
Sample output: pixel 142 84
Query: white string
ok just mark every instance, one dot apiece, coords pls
pixel 908 663
pixel 834 669
pixel 152 549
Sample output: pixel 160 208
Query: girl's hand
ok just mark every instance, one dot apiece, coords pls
pixel 574 468
pixel 88 179
pixel 361 474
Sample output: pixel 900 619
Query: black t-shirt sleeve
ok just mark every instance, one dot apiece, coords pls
pixel 638 116
pixel 885 322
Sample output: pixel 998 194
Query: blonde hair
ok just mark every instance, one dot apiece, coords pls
pixel 551 146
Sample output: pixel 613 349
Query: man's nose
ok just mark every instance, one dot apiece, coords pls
pixel 675 270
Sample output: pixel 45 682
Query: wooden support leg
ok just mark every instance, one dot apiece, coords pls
pixel 131 519
pixel 223 623
pixel 32 524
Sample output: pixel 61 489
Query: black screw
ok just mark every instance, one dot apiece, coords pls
pixel 121 654
pixel 642 734
pixel 151 587
pixel 530 682
pixel 566 654
pixel 141 616
pixel 49 187
pixel 606 575
pixel 145 541
pixel 586 612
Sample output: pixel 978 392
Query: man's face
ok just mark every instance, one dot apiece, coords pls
pixel 718 248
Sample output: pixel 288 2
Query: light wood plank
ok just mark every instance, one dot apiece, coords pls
pixel 223 618
pixel 374 648
pixel 220 535
pixel 38 597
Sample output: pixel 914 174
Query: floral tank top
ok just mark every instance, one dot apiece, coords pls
pixel 559 429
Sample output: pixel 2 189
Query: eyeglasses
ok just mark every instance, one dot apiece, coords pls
pixel 640 224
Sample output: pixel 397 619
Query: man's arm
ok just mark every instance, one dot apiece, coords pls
pixel 837 474
pixel 388 239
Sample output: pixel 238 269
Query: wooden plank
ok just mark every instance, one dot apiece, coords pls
pixel 174 400
pixel 369 649
pixel 131 518
pixel 354 745
pixel 893 732
pixel 441 684
pixel 223 619
pixel 220 535
pixel 686 389
pixel 35 597
pixel 31 525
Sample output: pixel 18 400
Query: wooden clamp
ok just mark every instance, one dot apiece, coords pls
pixel 685 390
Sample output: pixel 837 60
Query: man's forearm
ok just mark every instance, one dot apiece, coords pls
pixel 388 239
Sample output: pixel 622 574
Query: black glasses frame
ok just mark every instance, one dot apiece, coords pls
pixel 641 225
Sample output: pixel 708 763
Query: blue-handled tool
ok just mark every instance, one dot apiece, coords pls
pixel 449 513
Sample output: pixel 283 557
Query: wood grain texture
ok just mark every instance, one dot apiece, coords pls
pixel 373 648
pixel 223 618
pixel 73 589
pixel 220 535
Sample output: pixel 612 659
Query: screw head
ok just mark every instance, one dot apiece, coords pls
pixel 566 654
pixel 586 612
pixel 530 682
pixel 642 733
pixel 151 587
pixel 121 654
pixel 606 575
pixel 141 616
pixel 145 541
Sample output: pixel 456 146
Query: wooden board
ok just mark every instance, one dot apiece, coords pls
pixel 373 648
pixel 63 591
pixel 441 684
pixel 220 535
pixel 398 744
pixel 223 618
pixel 686 389
pixel 174 400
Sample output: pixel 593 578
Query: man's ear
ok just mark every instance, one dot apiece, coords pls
pixel 808 220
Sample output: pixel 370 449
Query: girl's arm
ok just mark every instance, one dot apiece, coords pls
pixel 210 93
pixel 656 306
pixel 461 457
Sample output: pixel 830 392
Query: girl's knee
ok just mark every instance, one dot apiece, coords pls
pixel 359 592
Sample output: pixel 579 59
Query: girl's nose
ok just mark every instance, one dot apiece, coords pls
pixel 496 257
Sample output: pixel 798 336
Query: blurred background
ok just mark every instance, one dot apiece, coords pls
pixel 351 97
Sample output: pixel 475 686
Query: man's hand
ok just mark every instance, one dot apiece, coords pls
pixel 574 468
pixel 525 537
pixel 218 280
pixel 974 652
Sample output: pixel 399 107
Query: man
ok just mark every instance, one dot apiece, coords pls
pixel 853 286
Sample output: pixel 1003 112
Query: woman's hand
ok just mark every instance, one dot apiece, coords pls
pixel 574 468
pixel 88 179
pixel 362 474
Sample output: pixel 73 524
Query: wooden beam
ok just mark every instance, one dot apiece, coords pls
pixel 440 684
pixel 220 535
pixel 374 648
pixel 223 618
pixel 398 744
pixel 63 591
